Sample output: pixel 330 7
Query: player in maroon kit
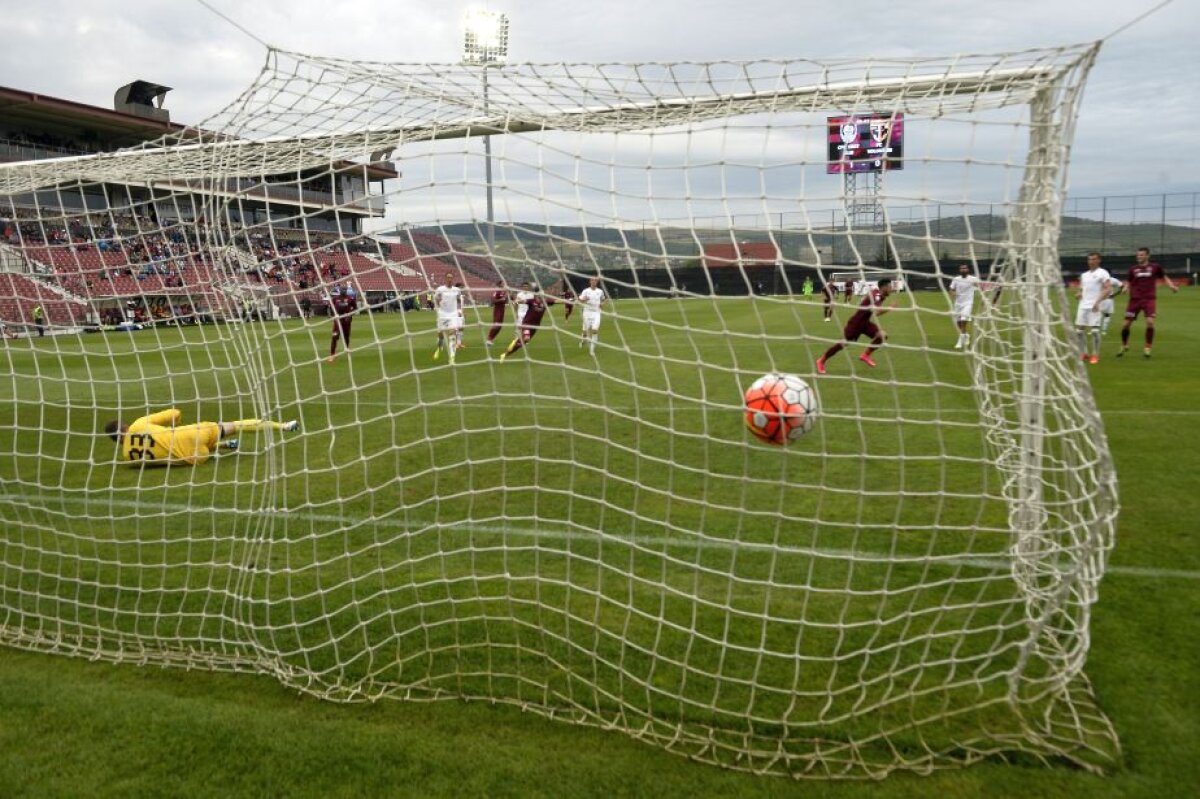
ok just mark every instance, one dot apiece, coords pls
pixel 536 309
pixel 827 292
pixel 862 324
pixel 344 301
pixel 568 299
pixel 1141 285
pixel 500 301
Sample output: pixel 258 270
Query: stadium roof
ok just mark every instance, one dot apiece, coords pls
pixel 70 119
pixel 56 115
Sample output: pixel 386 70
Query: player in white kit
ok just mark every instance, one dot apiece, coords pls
pixel 591 298
pixel 522 302
pixel 963 289
pixel 447 301
pixel 1107 306
pixel 1094 288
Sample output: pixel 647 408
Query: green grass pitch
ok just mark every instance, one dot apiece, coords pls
pixel 438 445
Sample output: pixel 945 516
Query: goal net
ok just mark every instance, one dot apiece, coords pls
pixel 586 532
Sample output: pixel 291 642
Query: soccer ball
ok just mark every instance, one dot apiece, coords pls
pixel 780 408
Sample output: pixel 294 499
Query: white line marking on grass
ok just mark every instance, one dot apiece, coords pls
pixel 343 521
pixel 689 401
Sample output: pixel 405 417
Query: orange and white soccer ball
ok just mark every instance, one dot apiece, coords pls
pixel 780 408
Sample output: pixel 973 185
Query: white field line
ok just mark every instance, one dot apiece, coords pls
pixel 562 534
pixel 691 401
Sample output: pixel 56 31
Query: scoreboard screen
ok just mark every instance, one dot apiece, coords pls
pixel 865 143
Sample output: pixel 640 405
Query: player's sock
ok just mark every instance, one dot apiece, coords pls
pixel 1149 337
pixel 1125 338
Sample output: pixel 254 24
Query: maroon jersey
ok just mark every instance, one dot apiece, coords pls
pixel 865 308
pixel 344 304
pixel 1142 281
pixel 536 310
pixel 499 303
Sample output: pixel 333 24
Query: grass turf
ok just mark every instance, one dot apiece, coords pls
pixel 248 735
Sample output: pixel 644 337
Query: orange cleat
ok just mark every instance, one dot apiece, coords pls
pixel 867 360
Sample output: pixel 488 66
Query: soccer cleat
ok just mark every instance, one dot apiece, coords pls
pixel 1121 354
pixel 958 344
pixel 331 359
pixel 229 443
pixel 1094 359
pixel 1146 353
pixel 503 355
pixel 437 353
pixel 828 319
pixel 867 360
pixel 292 426
pixel 820 366
pixel 1083 356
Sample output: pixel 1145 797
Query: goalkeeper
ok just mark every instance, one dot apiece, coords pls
pixel 158 439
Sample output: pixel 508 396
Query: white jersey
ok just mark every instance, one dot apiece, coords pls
pixel 591 299
pixel 447 300
pixel 1091 286
pixel 964 289
pixel 523 298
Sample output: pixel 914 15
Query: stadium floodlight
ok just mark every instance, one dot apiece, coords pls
pixel 485 37
pixel 485 42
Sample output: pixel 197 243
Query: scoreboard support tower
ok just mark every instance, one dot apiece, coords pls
pixel 863 213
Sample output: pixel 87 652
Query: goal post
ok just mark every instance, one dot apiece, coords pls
pixel 584 528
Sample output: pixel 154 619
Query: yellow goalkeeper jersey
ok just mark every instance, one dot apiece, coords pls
pixel 155 439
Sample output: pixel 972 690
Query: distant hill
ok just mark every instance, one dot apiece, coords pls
pixel 953 237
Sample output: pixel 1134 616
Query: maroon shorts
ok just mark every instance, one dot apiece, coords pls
pixel 1140 306
pixel 855 329
pixel 498 314
pixel 342 324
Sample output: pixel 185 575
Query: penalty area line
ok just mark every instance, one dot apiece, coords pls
pixel 344 521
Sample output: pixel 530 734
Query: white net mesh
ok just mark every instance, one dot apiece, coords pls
pixel 594 537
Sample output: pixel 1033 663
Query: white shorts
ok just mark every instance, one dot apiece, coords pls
pixel 961 314
pixel 1106 307
pixel 591 320
pixel 448 321
pixel 1086 317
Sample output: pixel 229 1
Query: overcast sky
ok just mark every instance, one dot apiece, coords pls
pixel 1137 131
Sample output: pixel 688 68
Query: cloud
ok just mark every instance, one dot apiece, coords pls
pixel 1137 120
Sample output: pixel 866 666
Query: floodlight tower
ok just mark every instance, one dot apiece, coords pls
pixel 485 43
